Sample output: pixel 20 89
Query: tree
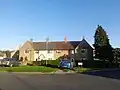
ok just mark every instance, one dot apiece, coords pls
pixel 8 53
pixel 103 49
pixel 117 54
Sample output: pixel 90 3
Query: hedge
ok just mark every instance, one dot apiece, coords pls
pixel 54 63
pixel 97 64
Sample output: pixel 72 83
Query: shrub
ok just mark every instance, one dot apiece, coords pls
pixel 50 63
pixel 98 64
pixel 43 62
pixel 36 63
pixel 54 62
pixel 93 64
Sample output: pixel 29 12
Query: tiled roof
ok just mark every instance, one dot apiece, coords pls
pixel 52 45
pixel 75 43
pixel 58 45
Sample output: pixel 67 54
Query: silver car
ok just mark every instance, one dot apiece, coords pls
pixel 9 62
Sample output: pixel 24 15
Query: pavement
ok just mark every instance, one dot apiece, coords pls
pixel 22 81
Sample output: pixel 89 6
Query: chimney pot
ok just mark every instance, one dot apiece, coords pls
pixel 65 39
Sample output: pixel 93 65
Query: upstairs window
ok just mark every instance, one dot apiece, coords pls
pixel 26 51
pixel 49 51
pixel 72 51
pixel 84 58
pixel 58 51
pixel 36 51
pixel 83 51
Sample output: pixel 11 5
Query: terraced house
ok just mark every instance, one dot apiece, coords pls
pixel 37 51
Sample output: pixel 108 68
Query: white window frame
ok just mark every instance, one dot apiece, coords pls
pixel 49 51
pixel 58 51
pixel 37 52
pixel 72 51
pixel 85 50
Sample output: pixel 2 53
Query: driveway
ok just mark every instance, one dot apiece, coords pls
pixel 13 81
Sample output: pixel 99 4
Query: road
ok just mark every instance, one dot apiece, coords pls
pixel 112 73
pixel 13 81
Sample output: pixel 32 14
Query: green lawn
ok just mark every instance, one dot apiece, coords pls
pixel 42 69
pixel 28 69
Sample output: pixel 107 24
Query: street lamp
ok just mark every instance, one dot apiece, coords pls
pixel 47 41
pixel 30 55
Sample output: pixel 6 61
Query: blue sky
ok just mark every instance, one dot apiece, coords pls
pixel 21 20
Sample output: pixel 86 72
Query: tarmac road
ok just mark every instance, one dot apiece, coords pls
pixel 20 81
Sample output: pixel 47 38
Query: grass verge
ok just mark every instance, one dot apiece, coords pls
pixel 28 69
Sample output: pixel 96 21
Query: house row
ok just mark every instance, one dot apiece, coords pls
pixel 37 51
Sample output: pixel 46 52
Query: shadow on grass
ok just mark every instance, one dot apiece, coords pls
pixel 115 74
pixel 9 70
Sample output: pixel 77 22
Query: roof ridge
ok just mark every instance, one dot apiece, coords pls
pixel 55 41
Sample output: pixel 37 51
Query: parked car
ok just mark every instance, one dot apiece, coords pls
pixel 9 62
pixel 66 64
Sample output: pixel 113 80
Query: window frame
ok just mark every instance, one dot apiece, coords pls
pixel 49 51
pixel 58 51
pixel 26 51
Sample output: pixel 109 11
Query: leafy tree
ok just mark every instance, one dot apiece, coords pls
pixel 103 49
pixel 8 53
pixel 117 54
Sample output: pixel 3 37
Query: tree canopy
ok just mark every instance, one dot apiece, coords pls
pixel 103 49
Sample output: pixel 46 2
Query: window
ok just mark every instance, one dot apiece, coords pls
pixel 83 50
pixel 58 51
pixel 72 51
pixel 26 59
pixel 49 58
pixel 49 51
pixel 94 53
pixel 36 51
pixel 84 58
pixel 26 51
pixel 75 50
pixel 72 60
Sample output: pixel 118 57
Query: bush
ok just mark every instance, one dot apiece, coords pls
pixel 37 63
pixel 43 62
pixel 54 62
pixel 92 64
pixel 97 64
pixel 50 63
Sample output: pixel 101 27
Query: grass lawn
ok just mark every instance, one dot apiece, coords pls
pixel 28 69
pixel 42 69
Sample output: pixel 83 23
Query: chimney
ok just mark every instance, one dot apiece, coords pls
pixel 65 39
pixel 83 38
pixel 31 40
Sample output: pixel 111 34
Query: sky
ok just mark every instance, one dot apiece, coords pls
pixel 21 20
